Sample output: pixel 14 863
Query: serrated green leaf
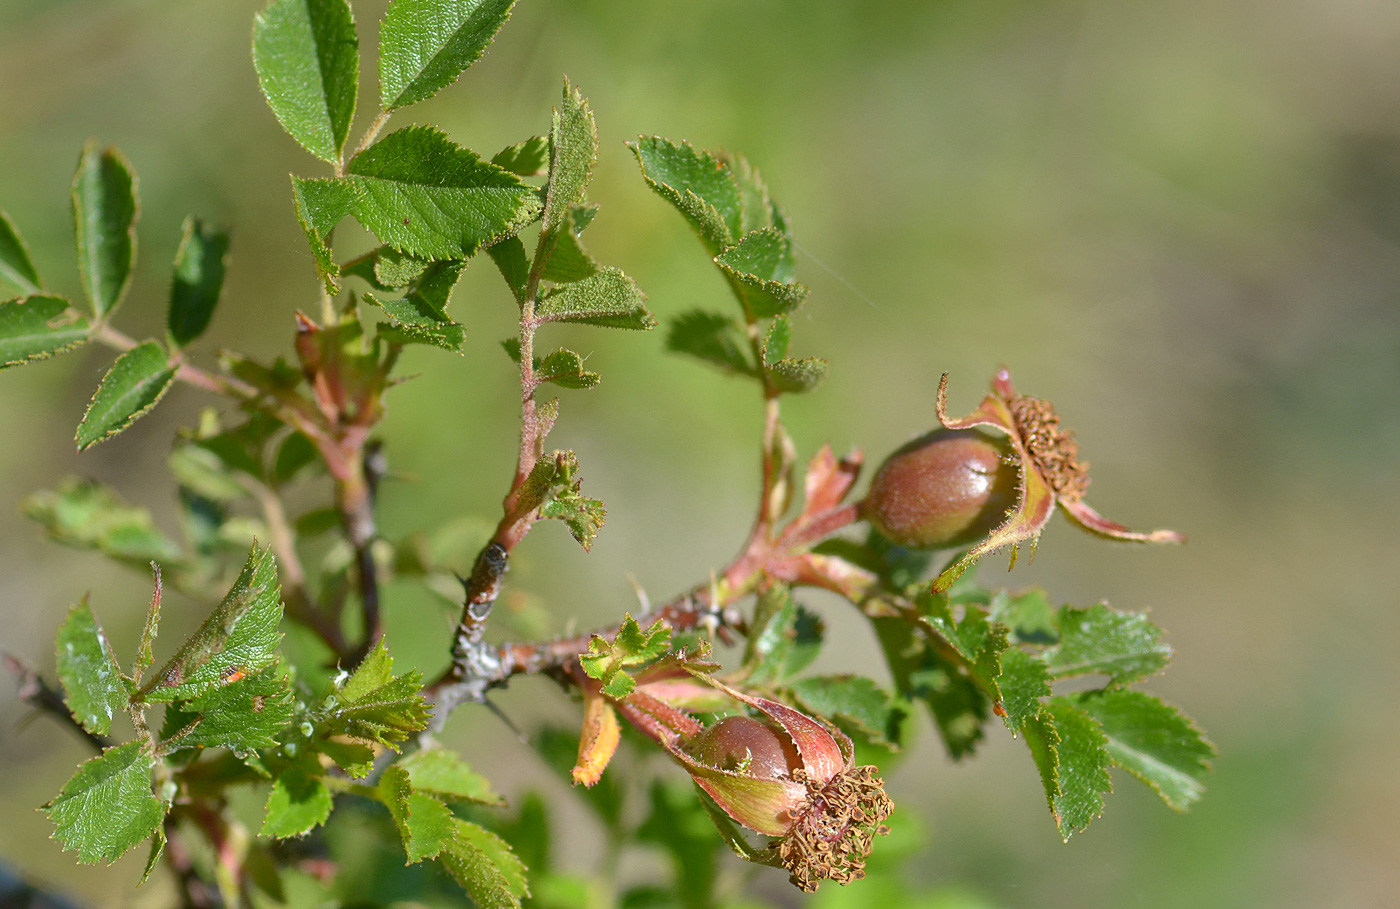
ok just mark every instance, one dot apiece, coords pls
pixel 761 298
pixel 354 758
pixel 320 206
pixel 1082 759
pixel 857 704
pixel 785 638
pixel 104 220
pixel 377 706
pixel 1024 681
pixel 375 671
pixel 443 773
pixel 764 254
pixel 421 193
pixel 424 45
pixel 240 636
pixel 486 867
pixel 568 260
pixel 796 376
pixel 607 661
pixel 759 209
pixel 1099 640
pixel 16 266
pixel 242 716
pixel 36 328
pixel 135 383
pixel 1153 741
pixel 711 337
pixel 1043 742
pixel 198 280
pixel 92 681
pixel 608 299
pixel 979 641
pixel 299 802
pixel 414 321
pixel 529 158
pixel 308 64
pixel 775 345
pixel 86 514
pixel 107 807
pixel 564 368
pixel 513 264
pixel 425 824
pixel 582 515
pixel 152 858
pixel 698 184
pixel 573 147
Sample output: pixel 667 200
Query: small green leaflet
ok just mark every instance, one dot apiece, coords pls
pixel 36 328
pixel 321 205
pixel 308 63
pixel 856 704
pixel 242 716
pixel 239 638
pixel 1153 741
pixel 978 641
pixel 1099 640
pixel 513 264
pixel 1024 681
pixel 88 515
pixel 107 807
pixel 568 260
pixel 423 194
pixel 608 299
pixel 421 316
pixel 425 824
pixel 759 209
pixel 759 269
pixel 486 867
pixel 298 802
pixel 16 266
pixel 698 184
pixel 582 515
pixel 573 148
pixel 153 857
pixel 104 221
pixel 198 280
pixel 92 681
pixel 607 660
pixel 529 158
pixel 377 706
pixel 1081 767
pixel 795 376
pixel 564 368
pixel 394 269
pixel 424 45
pixel 711 337
pixel 136 382
pixel 440 772
pixel 553 487
pixel 775 345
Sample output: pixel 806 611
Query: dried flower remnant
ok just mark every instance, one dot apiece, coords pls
pixel 783 774
pixel 1050 474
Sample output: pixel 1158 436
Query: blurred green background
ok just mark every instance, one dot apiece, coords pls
pixel 1178 220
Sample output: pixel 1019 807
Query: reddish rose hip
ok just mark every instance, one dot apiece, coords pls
pixel 729 743
pixel 947 488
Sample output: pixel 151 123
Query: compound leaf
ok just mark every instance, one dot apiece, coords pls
pixel 35 328
pixel 104 221
pixel 107 807
pixel 136 382
pixel 424 45
pixel 377 706
pixel 198 280
pixel 421 193
pixel 92 680
pixel 607 661
pixel 308 63
pixel 242 716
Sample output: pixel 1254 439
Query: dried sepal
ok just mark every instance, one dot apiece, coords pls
pixel 1050 473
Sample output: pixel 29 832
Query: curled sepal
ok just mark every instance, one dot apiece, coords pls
pixel 601 733
pixel 1050 473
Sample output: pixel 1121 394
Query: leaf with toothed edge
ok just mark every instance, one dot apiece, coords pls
pixel 36 328
pixel 307 58
pixel 1153 741
pixel 92 681
pixel 132 386
pixel 107 807
pixel 424 45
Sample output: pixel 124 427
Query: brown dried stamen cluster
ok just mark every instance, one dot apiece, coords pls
pixel 1054 449
pixel 832 839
